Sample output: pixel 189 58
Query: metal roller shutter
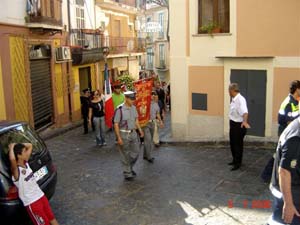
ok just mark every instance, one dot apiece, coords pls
pixel 41 88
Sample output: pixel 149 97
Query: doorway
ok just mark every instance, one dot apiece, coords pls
pixel 85 80
pixel 253 87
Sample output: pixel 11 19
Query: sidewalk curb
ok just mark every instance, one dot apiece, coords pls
pixel 51 132
pixel 247 144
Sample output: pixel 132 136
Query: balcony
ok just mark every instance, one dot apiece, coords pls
pixel 125 6
pixel 161 66
pixel 123 45
pixel 45 15
pixel 87 46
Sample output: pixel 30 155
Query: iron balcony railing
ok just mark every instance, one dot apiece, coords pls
pixel 86 38
pixel 90 39
pixel 119 45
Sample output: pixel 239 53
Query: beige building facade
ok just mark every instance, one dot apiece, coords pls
pixel 119 22
pixel 157 41
pixel 248 44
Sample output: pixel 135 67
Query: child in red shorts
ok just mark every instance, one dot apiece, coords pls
pixel 32 196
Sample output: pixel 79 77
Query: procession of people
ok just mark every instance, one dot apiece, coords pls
pixel 140 113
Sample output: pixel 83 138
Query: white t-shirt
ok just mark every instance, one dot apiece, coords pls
pixel 238 107
pixel 28 189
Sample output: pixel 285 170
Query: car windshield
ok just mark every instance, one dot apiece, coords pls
pixel 21 134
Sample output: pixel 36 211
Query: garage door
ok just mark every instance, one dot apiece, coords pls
pixel 41 88
pixel 253 87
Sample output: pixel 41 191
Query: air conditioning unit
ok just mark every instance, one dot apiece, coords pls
pixel 63 53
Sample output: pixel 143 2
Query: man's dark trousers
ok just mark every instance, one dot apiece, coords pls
pixel 85 123
pixel 237 135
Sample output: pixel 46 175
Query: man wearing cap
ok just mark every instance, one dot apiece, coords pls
pixel 117 96
pixel 125 123
pixel 238 116
pixel 285 184
pixel 149 128
pixel 85 105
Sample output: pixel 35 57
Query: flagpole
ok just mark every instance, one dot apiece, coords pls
pixel 109 107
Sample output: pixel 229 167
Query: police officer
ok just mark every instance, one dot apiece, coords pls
pixel 289 110
pixel 125 123
pixel 149 128
pixel 285 185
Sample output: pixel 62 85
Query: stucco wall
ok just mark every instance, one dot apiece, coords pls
pixel 268 27
pixel 210 81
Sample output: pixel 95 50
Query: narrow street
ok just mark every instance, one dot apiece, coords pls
pixel 187 184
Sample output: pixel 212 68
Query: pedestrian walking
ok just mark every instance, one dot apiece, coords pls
pixel 85 105
pixel 125 123
pixel 117 96
pixel 238 116
pixel 289 110
pixel 285 184
pixel 162 99
pixel 150 127
pixel 96 115
pixel 31 195
pixel 156 139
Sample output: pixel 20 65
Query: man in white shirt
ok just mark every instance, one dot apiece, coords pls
pixel 238 115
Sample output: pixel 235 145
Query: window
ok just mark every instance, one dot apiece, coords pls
pixel 150 55
pixel 161 18
pixel 213 15
pixel 162 56
pixel 21 134
pixel 149 32
pixel 80 22
pixel 80 2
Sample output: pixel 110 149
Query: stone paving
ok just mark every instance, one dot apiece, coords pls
pixel 187 184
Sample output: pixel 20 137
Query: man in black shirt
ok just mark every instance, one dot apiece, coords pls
pixel 85 104
pixel 285 185
pixel 162 99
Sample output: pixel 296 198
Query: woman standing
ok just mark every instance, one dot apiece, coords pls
pixel 96 116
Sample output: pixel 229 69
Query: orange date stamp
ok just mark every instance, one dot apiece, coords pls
pixel 252 204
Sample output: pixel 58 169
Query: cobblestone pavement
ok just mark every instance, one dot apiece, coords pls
pixel 187 184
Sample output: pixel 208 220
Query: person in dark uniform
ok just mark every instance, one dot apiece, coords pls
pixel 238 116
pixel 285 184
pixel 125 123
pixel 85 104
pixel 289 110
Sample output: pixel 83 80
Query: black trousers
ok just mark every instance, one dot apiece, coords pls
pixel 237 135
pixel 85 123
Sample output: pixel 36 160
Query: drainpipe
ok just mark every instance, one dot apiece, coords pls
pixel 69 64
pixel 69 22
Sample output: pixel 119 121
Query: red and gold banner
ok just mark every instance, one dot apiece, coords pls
pixel 143 90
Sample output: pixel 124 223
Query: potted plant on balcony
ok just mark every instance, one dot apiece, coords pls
pixel 210 28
